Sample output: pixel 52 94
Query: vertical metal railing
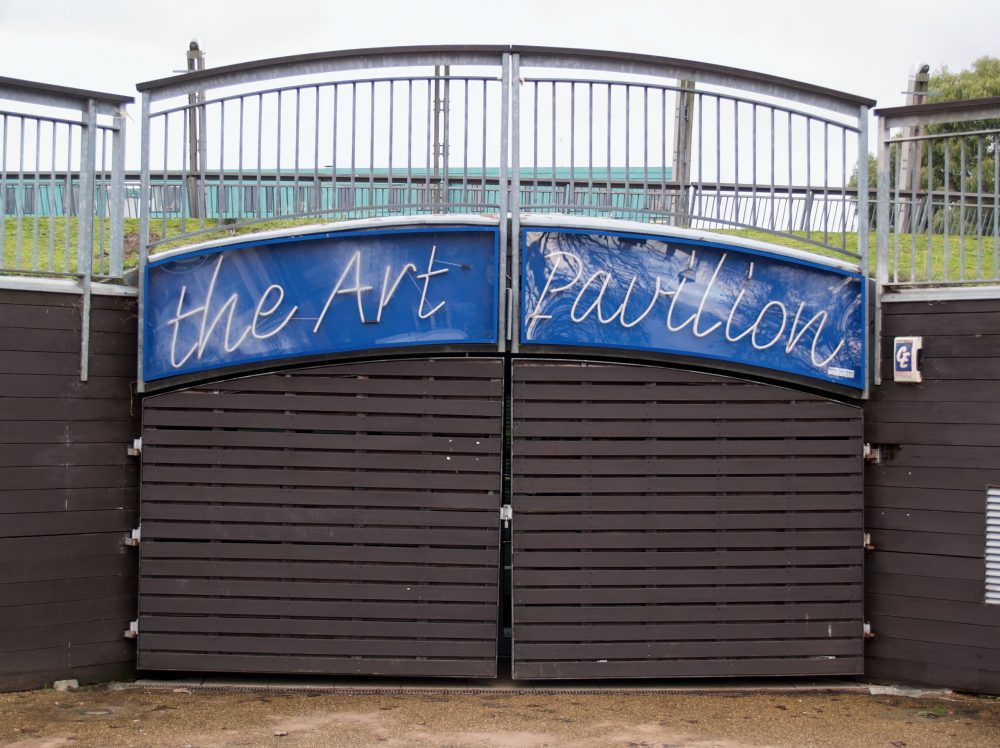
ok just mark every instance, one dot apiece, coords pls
pixel 62 170
pixel 939 219
pixel 385 133
pixel 690 145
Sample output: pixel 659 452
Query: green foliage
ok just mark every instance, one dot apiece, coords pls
pixel 963 163
pixel 980 81
pixel 971 160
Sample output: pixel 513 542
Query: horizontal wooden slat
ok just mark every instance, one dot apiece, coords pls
pixel 695 668
pixel 410 496
pixel 694 540
pixel 194 512
pixel 323 609
pixel 327 627
pixel 742 502
pixel 350 571
pixel 667 650
pixel 683 466
pixel 319 646
pixel 685 447
pixel 317 534
pixel 644 558
pixel 550 578
pixel 673 632
pixel 396 554
pixel 678 595
pixel 415 424
pixel 285 663
pixel 667 520
pixel 327 442
pixel 705 614
pixel 321 459
pixel 321 478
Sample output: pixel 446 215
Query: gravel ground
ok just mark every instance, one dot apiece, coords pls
pixel 99 716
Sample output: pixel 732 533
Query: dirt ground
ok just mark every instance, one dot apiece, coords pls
pixel 99 716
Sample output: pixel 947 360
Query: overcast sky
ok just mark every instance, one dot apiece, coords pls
pixel 861 47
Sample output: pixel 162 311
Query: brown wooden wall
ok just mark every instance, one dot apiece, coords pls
pixel 926 501
pixel 676 524
pixel 68 492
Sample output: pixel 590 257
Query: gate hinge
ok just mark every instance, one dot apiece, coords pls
pixel 133 538
pixel 506 514
pixel 872 453
pixel 869 546
pixel 136 449
pixel 132 632
pixel 869 634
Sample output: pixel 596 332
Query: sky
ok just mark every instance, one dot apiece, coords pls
pixel 861 47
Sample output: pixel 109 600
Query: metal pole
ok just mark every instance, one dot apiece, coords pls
pixel 85 229
pixel 196 124
pixel 117 201
pixel 515 203
pixel 863 242
pixel 683 125
pixel 881 238
pixel 143 238
pixel 909 154
pixel 504 195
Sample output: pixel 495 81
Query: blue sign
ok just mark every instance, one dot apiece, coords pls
pixel 320 293
pixel 692 298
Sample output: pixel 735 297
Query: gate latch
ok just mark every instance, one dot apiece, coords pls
pixel 132 631
pixel 506 514
pixel 136 449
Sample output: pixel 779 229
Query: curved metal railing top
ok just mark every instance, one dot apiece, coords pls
pixel 503 130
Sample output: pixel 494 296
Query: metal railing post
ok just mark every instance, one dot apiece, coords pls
pixel 144 195
pixel 503 188
pixel 117 197
pixel 881 238
pixel 85 229
pixel 863 256
pixel 515 201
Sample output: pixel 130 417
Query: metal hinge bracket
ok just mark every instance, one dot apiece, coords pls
pixel 869 546
pixel 136 449
pixel 134 537
pixel 506 514
pixel 872 453
pixel 132 632
pixel 869 634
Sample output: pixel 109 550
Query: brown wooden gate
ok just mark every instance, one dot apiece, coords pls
pixel 336 520
pixel 670 524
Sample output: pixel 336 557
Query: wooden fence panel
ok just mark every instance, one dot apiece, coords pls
pixel 672 524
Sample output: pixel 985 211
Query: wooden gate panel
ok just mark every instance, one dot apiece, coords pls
pixel 337 520
pixel 672 524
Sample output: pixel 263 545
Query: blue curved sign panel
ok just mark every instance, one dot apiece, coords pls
pixel 692 298
pixel 295 296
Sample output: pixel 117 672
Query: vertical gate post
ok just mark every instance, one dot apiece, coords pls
pixel 515 199
pixel 503 188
